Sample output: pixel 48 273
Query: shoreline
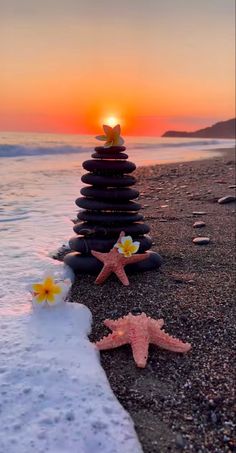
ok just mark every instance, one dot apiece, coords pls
pixel 178 402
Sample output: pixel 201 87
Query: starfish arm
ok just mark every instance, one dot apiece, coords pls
pixel 100 256
pixel 111 341
pixel 165 341
pixel 139 344
pixel 112 323
pixel 119 271
pixel 134 258
pixel 104 274
pixel 155 324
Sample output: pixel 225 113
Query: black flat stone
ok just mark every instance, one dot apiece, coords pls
pixel 85 245
pixel 109 167
pixel 90 265
pixel 110 194
pixel 111 217
pixel 100 205
pixel 109 156
pixel 112 149
pixel 90 229
pixel 108 181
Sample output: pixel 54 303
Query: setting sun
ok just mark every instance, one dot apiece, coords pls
pixel 111 121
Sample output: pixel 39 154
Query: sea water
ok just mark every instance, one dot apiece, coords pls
pixel 39 181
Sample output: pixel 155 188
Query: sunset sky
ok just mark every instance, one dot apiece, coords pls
pixel 67 65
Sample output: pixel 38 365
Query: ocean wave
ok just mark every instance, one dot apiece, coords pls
pixel 9 150
pixel 182 144
pixel 27 151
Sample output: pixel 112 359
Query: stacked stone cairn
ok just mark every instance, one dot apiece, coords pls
pixel 107 208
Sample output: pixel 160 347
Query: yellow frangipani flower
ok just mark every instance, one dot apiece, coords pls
pixel 46 291
pixel 127 247
pixel 112 136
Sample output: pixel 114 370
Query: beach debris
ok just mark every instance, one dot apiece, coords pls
pixel 118 257
pixel 50 291
pixel 139 331
pixel 227 199
pixel 199 224
pixel 199 213
pixel 112 136
pixel 201 240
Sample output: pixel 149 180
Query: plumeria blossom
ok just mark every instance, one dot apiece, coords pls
pixel 112 136
pixel 126 246
pixel 50 291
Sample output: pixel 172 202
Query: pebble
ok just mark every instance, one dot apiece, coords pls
pixel 180 442
pixel 189 418
pixel 199 224
pixel 199 213
pixel 227 199
pixel 233 186
pixel 201 240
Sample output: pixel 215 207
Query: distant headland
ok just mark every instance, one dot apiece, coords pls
pixel 223 129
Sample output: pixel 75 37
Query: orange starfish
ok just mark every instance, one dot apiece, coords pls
pixel 139 331
pixel 115 262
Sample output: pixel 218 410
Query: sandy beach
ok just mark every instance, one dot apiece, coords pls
pixel 179 402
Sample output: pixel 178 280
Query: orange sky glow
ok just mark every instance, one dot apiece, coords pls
pixel 154 65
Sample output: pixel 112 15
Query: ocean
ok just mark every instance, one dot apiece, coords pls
pixel 39 181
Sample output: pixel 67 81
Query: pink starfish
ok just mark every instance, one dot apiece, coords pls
pixel 139 331
pixel 115 262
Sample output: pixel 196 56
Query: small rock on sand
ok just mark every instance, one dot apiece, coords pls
pixel 227 199
pixel 201 240
pixel 199 213
pixel 199 224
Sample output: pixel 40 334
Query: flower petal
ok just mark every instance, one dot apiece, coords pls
pixel 56 289
pixel 118 141
pixel 48 283
pixel 116 129
pixel 107 129
pixel 133 249
pixel 40 298
pixel 37 287
pixel 101 137
pixel 108 144
pixel 137 245
pixel 50 298
pixel 121 141
pixel 126 238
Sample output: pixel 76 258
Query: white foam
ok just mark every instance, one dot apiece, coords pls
pixel 55 396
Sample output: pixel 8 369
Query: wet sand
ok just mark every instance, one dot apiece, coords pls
pixel 179 402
